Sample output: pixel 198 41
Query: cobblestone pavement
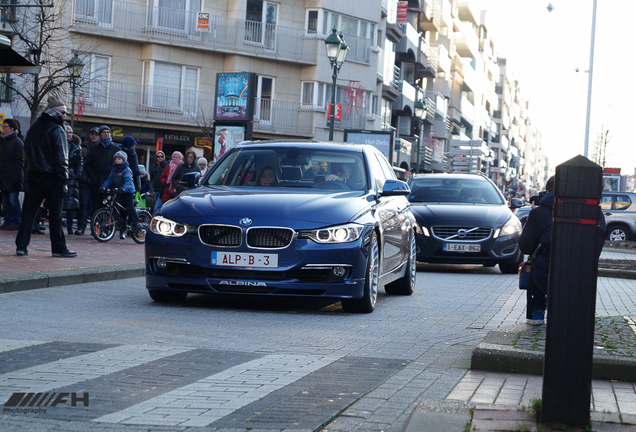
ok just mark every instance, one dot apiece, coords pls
pixel 232 365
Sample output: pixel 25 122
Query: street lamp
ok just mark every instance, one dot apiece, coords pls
pixel 336 52
pixel 75 66
pixel 420 114
pixel 589 83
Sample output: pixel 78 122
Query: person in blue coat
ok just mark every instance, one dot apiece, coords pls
pixel 121 178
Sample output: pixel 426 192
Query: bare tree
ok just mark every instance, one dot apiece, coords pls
pixel 42 36
pixel 599 153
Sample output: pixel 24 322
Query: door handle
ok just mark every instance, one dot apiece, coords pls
pixel 607 214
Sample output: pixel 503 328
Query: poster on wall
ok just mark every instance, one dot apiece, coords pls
pixel 227 137
pixel 233 96
pixel 381 140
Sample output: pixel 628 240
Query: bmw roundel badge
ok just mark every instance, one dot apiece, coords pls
pixel 245 221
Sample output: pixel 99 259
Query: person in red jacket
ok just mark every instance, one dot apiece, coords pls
pixel 169 191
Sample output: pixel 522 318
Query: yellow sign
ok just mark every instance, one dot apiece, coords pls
pixel 2 118
pixel 203 142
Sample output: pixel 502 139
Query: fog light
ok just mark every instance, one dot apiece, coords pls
pixel 161 263
pixel 338 271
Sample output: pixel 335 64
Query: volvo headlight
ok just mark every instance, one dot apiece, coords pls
pixel 421 229
pixel 511 227
pixel 166 227
pixel 338 234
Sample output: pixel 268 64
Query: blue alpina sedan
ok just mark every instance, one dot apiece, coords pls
pixel 304 219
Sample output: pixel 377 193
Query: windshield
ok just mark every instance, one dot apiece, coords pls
pixel 448 190
pixel 290 167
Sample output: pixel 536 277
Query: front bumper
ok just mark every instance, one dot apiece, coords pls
pixel 304 269
pixel 502 250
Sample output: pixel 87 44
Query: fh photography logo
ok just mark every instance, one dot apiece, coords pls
pixel 38 403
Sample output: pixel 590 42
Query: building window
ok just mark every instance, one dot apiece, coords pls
pixel 5 91
pixel 95 78
pixel 170 86
pixel 312 21
pixel 374 105
pixel 261 18
pixel 313 94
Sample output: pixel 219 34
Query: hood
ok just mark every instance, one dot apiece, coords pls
pixel 460 214
pixel 229 205
pixel 547 200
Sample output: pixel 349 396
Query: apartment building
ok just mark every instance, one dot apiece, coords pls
pixel 160 70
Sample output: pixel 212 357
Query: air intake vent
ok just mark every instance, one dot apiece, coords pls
pixel 220 235
pixel 269 237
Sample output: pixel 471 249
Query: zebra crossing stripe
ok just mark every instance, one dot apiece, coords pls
pixel 209 399
pixel 10 345
pixel 76 369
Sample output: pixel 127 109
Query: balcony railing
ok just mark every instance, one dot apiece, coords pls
pixel 193 108
pixel 283 117
pixel 125 20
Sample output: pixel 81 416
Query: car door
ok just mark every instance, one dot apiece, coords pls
pixel 393 214
pixel 619 209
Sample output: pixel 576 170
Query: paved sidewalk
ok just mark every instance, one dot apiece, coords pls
pixel 116 259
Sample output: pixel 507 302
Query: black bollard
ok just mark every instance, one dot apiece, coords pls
pixel 567 371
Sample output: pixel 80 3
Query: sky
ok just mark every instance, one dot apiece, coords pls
pixel 543 51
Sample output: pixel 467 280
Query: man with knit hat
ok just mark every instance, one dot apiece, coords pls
pixel 86 201
pixel 46 154
pixel 98 164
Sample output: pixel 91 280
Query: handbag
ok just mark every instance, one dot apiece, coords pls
pixel 525 269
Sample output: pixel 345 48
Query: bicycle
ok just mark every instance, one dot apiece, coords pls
pixel 106 221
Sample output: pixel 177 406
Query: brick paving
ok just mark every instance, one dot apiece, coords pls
pixel 91 253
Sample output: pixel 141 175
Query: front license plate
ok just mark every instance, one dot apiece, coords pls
pixel 241 259
pixel 457 247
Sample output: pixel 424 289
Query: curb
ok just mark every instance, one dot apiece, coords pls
pixel 37 280
pixel 496 354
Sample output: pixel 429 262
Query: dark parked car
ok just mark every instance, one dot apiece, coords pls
pixel 464 219
pixel 341 232
pixel 522 213
pixel 619 209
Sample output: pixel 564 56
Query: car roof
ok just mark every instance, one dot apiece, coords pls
pixel 309 144
pixel 449 176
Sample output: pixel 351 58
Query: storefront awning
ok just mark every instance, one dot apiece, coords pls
pixel 12 62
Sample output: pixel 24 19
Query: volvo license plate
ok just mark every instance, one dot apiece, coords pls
pixel 241 259
pixel 459 247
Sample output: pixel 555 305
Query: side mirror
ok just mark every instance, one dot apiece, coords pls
pixel 395 188
pixel 515 203
pixel 190 180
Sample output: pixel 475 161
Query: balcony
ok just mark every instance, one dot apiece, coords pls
pixel 406 49
pixel 466 41
pixel 406 100
pixel 143 23
pixel 359 48
pixel 468 110
pixel 137 102
pixel 432 18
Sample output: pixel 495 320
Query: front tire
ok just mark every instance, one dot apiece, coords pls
pixel 167 296
pixel 406 284
pixel 103 226
pixel 367 303
pixel 618 233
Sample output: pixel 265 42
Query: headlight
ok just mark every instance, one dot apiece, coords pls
pixel 338 234
pixel 420 229
pixel 165 227
pixel 511 227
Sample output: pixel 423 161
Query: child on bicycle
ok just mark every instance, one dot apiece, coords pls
pixel 121 178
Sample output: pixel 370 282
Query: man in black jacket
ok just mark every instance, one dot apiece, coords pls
pixel 99 163
pixel 538 234
pixel 46 154
pixel 86 200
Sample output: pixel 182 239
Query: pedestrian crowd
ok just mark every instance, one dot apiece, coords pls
pixel 51 171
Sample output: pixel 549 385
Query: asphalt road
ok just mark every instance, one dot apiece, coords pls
pixel 234 364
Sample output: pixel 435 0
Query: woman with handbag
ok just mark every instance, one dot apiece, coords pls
pixel 169 191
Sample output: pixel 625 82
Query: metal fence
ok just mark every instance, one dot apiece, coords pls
pixel 175 25
pixel 283 117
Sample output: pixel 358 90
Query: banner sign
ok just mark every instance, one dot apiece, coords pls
pixel 402 12
pixel 232 96
pixel 203 21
